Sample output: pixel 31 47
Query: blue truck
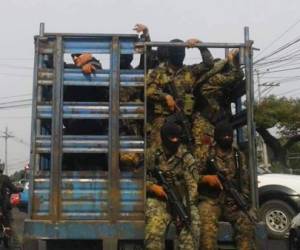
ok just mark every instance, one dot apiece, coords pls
pixel 80 196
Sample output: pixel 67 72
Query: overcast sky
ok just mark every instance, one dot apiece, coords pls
pixel 211 21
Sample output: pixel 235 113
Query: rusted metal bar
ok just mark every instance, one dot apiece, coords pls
pixel 33 162
pixel 182 44
pixel 56 140
pixel 42 29
pixel 114 144
pixel 251 133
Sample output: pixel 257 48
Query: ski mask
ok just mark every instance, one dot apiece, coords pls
pixel 170 135
pixel 125 61
pixel 176 54
pixel 224 136
pixel 162 54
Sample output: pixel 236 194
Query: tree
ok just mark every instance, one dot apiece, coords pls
pixel 284 115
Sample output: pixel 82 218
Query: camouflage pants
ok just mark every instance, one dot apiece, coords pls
pixel 203 133
pixel 210 211
pixel 157 220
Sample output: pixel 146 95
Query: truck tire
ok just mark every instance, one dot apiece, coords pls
pixel 277 215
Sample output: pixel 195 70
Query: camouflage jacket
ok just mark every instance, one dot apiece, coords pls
pixel 233 166
pixel 180 170
pixel 157 81
pixel 211 94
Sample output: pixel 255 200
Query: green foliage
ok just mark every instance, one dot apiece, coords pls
pixel 294 156
pixel 282 113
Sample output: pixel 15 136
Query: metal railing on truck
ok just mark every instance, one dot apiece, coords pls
pixel 102 201
pixel 77 188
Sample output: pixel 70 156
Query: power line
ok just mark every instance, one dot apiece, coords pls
pixel 16 106
pixel 13 96
pixel 16 101
pixel 280 49
pixel 279 37
pixel 282 70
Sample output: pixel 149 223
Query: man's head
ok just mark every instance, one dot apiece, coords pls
pixel 224 135
pixel 125 61
pixel 176 54
pixel 171 136
pixel 162 54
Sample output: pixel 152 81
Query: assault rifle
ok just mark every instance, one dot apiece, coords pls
pixel 179 209
pixel 180 117
pixel 173 199
pixel 230 189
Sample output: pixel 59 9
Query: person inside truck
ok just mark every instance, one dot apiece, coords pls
pixel 86 62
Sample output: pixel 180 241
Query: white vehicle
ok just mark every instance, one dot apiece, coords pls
pixel 279 199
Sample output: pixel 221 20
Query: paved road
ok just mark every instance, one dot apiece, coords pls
pixel 19 217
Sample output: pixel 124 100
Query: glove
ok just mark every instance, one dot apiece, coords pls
pixel 191 43
pixel 170 102
pixel 130 159
pixel 82 59
pixel 158 190
pixel 88 68
pixel 213 181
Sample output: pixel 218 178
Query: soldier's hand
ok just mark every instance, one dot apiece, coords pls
pixel 158 190
pixel 192 42
pixel 82 59
pixel 170 102
pixel 141 28
pixel 232 55
pixel 88 68
pixel 213 181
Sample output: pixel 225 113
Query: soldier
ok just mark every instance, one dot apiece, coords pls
pixel 178 167
pixel 215 202
pixel 212 101
pixel 130 160
pixel 183 78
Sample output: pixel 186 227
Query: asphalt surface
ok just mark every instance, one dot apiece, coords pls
pixel 18 224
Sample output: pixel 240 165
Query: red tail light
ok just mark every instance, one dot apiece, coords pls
pixel 15 199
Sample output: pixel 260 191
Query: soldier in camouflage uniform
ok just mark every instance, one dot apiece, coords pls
pixel 160 100
pixel 179 168
pixel 130 160
pixel 215 203
pixel 212 102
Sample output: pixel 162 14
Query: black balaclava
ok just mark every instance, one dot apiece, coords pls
pixel 162 54
pixel 168 132
pixel 176 54
pixel 125 61
pixel 224 135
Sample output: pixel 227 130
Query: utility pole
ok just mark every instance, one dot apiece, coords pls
pixel 268 86
pixel 258 85
pixel 6 135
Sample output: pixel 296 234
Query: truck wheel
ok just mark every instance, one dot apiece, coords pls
pixel 277 215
